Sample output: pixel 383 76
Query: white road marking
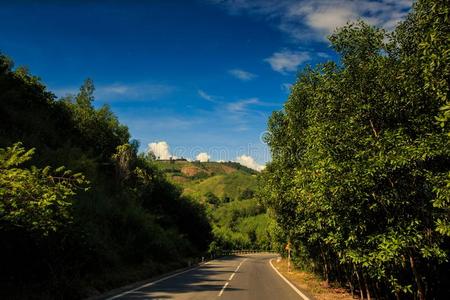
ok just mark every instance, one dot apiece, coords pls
pixel 151 283
pixel 223 289
pixel 173 275
pixel 240 265
pixel 231 277
pixel 288 282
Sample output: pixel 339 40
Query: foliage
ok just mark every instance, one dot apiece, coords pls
pixel 227 189
pixel 238 220
pixel 240 225
pixel 211 198
pixel 246 194
pixel 357 181
pixel 60 240
pixel 34 199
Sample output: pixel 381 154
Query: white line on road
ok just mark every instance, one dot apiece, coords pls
pixel 288 282
pixel 151 283
pixel 231 277
pixel 223 289
pixel 239 265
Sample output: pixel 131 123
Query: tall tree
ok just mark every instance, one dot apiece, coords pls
pixel 359 159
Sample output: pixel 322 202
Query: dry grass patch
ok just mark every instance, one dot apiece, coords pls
pixel 311 283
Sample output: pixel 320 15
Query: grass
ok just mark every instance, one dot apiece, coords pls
pixel 231 185
pixel 221 179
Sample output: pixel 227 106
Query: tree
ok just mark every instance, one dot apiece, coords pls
pixel 35 199
pixel 211 198
pixel 359 161
pixel 246 194
pixel 55 234
pixel 100 130
pixel 85 96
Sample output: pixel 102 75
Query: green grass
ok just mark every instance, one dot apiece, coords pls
pixel 222 179
pixel 230 185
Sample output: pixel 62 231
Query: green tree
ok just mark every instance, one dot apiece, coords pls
pixel 60 241
pixel 211 198
pixel 38 200
pixel 359 161
pixel 246 194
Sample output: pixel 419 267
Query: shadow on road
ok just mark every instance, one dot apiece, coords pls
pixel 206 279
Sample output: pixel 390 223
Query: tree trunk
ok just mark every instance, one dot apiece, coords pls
pixel 326 268
pixel 359 282
pixel 366 287
pixel 377 291
pixel 420 289
pixel 352 289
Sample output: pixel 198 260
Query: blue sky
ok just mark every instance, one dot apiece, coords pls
pixel 189 76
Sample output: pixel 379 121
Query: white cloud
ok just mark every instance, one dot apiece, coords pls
pixel 160 149
pixel 249 162
pixel 205 96
pixel 323 55
pixel 315 19
pixel 241 105
pixel 122 91
pixel 327 19
pixel 64 91
pixel 242 75
pixel 203 157
pixel 134 91
pixel 287 61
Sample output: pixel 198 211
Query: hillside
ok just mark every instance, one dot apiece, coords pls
pixel 239 221
pixel 225 180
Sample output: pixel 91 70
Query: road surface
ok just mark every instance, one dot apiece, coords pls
pixel 248 277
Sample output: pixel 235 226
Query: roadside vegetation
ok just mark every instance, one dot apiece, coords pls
pixel 359 181
pixel 311 283
pixel 80 210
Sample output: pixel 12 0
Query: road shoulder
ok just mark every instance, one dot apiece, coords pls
pixel 303 294
pixel 309 284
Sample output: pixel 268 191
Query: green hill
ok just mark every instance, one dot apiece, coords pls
pixel 225 180
pixel 227 185
pixel 239 221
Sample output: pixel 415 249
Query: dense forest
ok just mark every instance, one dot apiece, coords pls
pixel 80 210
pixel 360 177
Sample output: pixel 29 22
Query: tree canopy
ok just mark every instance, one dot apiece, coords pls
pixel 78 204
pixel 361 159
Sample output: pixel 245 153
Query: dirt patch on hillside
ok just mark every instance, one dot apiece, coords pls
pixel 191 170
pixel 228 169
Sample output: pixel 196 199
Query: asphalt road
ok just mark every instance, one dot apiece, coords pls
pixel 248 277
